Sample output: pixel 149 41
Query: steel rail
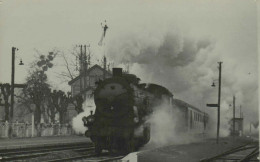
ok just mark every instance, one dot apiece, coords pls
pixel 41 152
pixel 239 148
pixel 112 158
pixel 42 146
pixel 87 156
pixel 33 155
pixel 254 153
pixel 72 158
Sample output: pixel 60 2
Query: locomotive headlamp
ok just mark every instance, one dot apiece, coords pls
pixel 90 119
pixel 84 119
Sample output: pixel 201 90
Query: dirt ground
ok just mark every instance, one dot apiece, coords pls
pixel 193 152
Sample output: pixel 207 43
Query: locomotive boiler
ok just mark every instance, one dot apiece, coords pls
pixel 122 108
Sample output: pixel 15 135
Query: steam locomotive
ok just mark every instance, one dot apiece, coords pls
pixel 123 106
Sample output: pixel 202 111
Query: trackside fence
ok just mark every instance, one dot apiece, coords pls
pixel 12 130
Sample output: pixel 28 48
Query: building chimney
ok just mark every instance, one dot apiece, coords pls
pixel 117 72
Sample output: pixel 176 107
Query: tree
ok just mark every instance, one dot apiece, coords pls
pixel 77 101
pixel 77 57
pixel 50 109
pixel 37 89
pixel 6 91
pixel 36 92
pixel 45 61
pixel 60 101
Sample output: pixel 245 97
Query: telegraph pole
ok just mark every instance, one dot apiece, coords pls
pixel 234 114
pixel 219 96
pixel 85 68
pixel 80 68
pixel 12 82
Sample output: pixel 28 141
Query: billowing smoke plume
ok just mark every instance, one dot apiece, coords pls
pixel 187 67
pixel 77 122
pixel 167 127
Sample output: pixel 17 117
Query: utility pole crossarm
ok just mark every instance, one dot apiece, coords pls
pixel 20 85
pixel 212 105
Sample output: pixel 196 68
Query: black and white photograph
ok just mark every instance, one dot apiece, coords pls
pixel 129 80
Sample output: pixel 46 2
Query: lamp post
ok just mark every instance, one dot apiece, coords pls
pixel 12 81
pixel 219 96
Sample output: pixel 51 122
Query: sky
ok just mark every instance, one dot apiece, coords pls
pixel 173 43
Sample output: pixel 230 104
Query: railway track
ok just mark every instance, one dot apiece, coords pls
pixel 244 153
pixel 34 152
pixel 105 157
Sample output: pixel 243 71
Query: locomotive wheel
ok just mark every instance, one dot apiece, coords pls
pixel 146 135
pixel 129 145
pixel 98 147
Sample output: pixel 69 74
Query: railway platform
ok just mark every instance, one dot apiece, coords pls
pixel 17 143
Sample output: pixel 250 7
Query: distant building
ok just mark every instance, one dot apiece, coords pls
pixel 85 84
pixel 238 126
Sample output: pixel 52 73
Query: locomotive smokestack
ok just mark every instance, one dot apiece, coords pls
pixel 117 72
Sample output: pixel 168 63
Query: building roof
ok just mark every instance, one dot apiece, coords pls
pixel 88 71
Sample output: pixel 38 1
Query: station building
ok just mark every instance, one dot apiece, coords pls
pixel 84 85
pixel 238 126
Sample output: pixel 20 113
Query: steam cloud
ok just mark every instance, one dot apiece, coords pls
pixel 77 123
pixel 187 67
pixel 165 122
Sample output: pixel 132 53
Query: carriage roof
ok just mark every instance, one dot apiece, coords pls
pixel 181 103
pixel 157 89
